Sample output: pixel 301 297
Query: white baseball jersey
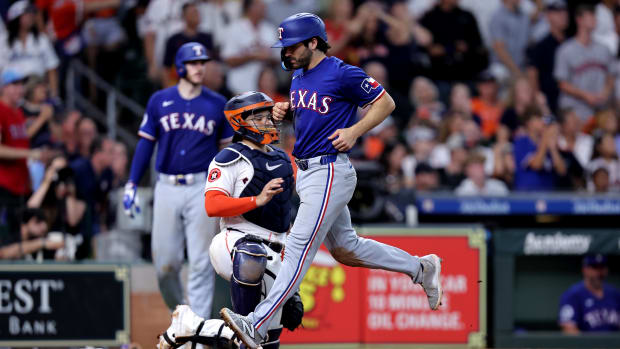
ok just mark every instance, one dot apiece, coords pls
pixel 231 180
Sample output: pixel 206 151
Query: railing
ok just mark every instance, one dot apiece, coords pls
pixel 75 100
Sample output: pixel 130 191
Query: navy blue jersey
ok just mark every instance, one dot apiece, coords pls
pixel 188 132
pixel 325 99
pixel 579 306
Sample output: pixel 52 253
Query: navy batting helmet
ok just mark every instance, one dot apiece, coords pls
pixel 192 51
pixel 237 110
pixel 300 27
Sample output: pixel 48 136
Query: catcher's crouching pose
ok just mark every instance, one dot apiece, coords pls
pixel 249 185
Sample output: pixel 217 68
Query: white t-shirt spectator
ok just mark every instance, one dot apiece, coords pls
pixel 162 17
pixel 241 38
pixel 492 187
pixel 605 31
pixel 34 57
pixel 215 17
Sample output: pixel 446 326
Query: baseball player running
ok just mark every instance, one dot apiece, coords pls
pixel 188 124
pixel 324 97
pixel 249 185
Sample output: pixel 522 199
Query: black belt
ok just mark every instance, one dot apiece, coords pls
pixel 275 246
pixel 302 164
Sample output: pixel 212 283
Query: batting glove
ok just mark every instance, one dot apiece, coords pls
pixel 130 199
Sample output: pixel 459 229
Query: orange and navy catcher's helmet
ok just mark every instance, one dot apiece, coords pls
pixel 237 110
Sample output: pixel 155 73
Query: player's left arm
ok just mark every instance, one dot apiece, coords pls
pixel 344 139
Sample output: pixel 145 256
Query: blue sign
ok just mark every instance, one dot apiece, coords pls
pixel 519 205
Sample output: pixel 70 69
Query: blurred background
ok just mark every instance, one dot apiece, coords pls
pixel 505 134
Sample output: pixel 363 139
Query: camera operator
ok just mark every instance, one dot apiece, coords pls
pixel 35 243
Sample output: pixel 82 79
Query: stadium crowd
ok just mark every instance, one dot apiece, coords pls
pixel 492 96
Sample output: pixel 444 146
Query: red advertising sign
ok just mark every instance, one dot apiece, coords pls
pixel 357 305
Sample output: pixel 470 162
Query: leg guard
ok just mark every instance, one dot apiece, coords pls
pixel 249 262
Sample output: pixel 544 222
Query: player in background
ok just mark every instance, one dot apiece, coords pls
pixel 188 124
pixel 249 185
pixel 324 97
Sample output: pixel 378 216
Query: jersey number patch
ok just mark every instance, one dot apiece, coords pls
pixel 214 175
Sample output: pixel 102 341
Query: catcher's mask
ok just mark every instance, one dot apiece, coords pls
pixel 240 111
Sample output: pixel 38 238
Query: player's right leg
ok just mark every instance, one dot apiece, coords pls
pixel 324 191
pixel 167 243
pixel 350 249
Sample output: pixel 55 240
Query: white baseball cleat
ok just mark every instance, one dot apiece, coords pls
pixel 431 279
pixel 184 323
pixel 188 329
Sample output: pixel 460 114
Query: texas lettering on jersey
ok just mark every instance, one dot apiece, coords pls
pixel 306 100
pixel 175 121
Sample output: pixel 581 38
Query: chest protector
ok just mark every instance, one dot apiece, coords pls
pixel 276 215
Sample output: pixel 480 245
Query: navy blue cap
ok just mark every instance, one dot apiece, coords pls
pixel 595 260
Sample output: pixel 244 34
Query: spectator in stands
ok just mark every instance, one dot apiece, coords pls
pixel 14 151
pixel 607 122
pixel 599 177
pixel 161 20
pixel 190 33
pixel 454 172
pixel 215 78
pixel 605 31
pixel 541 56
pixel 247 47
pixel 477 182
pixel 379 138
pixel 583 68
pixel 342 27
pixel 268 84
pixel 278 10
pixel 28 50
pixel 104 37
pixel 510 33
pixel 57 197
pixel 487 105
pixel 394 160
pixel 404 39
pixel 457 52
pixel 521 96
pixel 66 20
pixel 93 179
pixel 426 178
pixel 34 243
pixel 424 99
pixel 86 134
pixel 120 160
pixel 537 157
pixel 590 305
pixel 572 140
pixel 503 157
pixel 39 114
pixel 68 136
pixel 460 102
pixel 605 155
pixel 216 15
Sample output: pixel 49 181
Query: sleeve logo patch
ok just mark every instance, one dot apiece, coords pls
pixel 369 84
pixel 214 175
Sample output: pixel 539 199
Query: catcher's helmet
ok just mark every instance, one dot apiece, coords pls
pixel 300 27
pixel 237 110
pixel 189 52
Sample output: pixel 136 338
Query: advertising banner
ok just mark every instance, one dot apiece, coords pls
pixel 64 305
pixel 358 305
